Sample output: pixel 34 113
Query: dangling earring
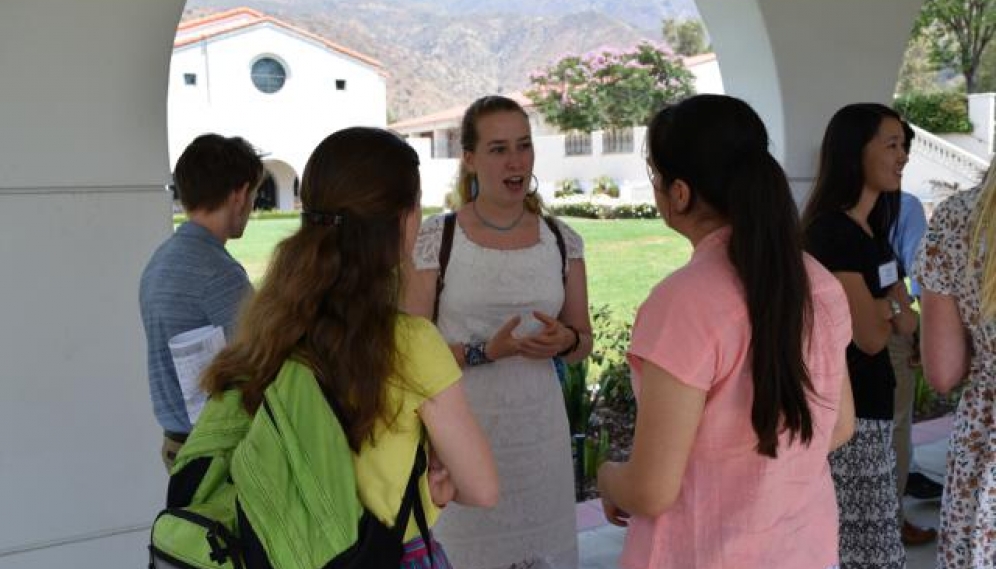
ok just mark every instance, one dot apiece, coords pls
pixel 532 191
pixel 474 190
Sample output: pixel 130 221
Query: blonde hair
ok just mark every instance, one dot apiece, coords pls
pixel 469 137
pixel 983 236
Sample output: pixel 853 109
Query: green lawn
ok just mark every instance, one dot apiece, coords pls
pixel 625 258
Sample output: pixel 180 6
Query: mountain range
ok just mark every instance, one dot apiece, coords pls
pixel 443 53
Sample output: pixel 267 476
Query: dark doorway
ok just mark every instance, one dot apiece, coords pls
pixel 266 197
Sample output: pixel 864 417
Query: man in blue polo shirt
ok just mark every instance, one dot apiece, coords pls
pixel 906 235
pixel 191 281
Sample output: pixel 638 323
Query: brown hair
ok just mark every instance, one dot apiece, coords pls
pixel 330 295
pixel 212 167
pixel 469 138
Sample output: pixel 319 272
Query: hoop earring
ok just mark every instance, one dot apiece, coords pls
pixel 474 189
pixel 532 191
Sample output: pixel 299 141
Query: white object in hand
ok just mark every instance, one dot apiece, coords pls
pixel 192 351
pixel 528 325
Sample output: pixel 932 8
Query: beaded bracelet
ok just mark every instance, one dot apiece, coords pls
pixel 574 346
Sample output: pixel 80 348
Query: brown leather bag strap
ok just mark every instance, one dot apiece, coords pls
pixel 561 246
pixel 449 222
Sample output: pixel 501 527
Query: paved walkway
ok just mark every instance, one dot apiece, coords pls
pixel 600 543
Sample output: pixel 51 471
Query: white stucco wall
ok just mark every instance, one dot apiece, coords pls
pixel 627 169
pixel 982 113
pixel 288 123
pixel 708 78
pixel 82 205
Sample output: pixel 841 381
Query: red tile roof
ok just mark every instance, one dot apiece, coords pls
pixel 454 114
pixel 199 29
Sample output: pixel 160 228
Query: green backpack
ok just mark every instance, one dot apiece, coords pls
pixel 276 490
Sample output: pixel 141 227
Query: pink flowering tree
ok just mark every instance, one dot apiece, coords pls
pixel 609 88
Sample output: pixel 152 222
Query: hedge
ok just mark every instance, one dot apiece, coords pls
pixel 592 210
pixel 280 214
pixel 942 112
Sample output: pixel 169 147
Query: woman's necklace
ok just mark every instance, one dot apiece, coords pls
pixel 495 226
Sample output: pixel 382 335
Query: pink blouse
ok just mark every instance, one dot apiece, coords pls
pixel 737 508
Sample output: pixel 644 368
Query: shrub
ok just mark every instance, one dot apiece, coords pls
pixel 586 210
pixel 605 185
pixel 936 112
pixel 280 214
pixel 567 187
pixel 635 211
pixel 601 379
pixel 608 358
pixel 590 210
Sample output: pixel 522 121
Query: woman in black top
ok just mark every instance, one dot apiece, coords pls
pixel 846 223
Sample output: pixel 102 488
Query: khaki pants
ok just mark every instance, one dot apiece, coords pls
pixel 900 350
pixel 170 449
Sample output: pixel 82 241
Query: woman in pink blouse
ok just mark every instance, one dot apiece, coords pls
pixel 737 361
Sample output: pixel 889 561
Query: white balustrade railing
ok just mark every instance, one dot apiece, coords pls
pixel 944 153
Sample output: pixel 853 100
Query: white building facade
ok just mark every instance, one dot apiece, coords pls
pixel 939 163
pixel 281 88
pixel 584 157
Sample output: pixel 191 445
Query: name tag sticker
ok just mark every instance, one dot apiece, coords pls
pixel 888 274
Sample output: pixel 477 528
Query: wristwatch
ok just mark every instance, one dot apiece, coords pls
pixel 895 307
pixel 475 354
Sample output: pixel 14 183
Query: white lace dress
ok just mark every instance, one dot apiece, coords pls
pixel 518 402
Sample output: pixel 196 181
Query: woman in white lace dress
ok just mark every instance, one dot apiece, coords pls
pixel 507 309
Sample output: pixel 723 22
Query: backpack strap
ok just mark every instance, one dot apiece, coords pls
pixel 445 246
pixel 561 246
pixel 411 503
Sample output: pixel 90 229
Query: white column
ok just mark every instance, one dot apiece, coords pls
pixel 82 205
pixel 798 61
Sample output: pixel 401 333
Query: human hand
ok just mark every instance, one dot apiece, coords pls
pixel 503 343
pixel 441 487
pixel 613 513
pixel 549 341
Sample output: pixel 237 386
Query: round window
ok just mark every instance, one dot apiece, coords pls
pixel 268 75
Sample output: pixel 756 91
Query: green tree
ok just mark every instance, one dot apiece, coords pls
pixel 918 73
pixel 959 31
pixel 985 79
pixel 609 88
pixel 686 37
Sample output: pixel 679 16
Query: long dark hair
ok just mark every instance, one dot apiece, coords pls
pixel 719 147
pixel 330 295
pixel 841 175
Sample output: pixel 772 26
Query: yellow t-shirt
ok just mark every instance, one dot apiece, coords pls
pixel 383 467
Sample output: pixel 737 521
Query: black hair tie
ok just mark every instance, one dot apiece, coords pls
pixel 322 218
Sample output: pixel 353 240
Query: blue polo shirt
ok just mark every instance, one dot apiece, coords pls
pixel 907 233
pixel 190 281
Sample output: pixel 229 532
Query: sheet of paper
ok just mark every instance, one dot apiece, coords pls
pixel 192 351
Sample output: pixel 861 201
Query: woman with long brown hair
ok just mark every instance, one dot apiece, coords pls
pixel 330 299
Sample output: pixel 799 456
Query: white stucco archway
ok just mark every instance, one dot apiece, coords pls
pixel 286 180
pixel 798 61
pixel 83 203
